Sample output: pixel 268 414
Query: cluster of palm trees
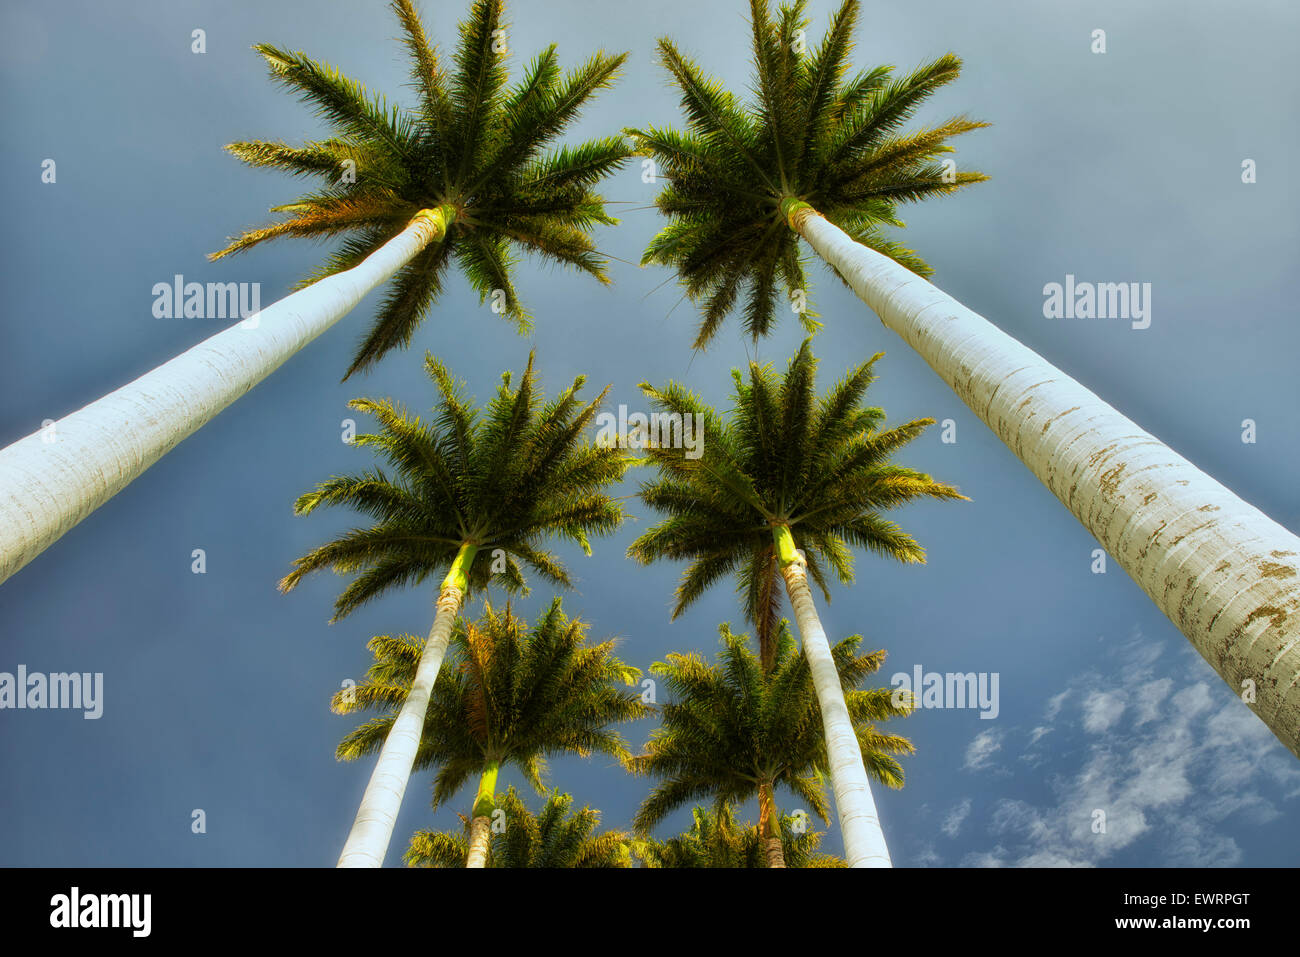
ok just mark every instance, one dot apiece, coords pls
pixel 511 695
pixel 480 491
pixel 790 482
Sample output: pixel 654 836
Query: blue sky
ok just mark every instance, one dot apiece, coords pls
pixel 1115 167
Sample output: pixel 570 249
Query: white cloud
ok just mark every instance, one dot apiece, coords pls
pixel 926 857
pixel 1054 704
pixel 1162 761
pixel 953 822
pixel 1102 710
pixel 1148 700
pixel 1038 733
pixel 982 749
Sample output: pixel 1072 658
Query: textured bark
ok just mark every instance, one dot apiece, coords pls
pixel 1223 572
pixel 864 841
pixel 480 836
pixel 480 830
pixel 373 828
pixel 47 487
pixel 775 853
pixel 769 826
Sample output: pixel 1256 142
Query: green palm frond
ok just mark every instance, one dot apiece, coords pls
pixel 471 145
pixel 557 836
pixel 738 724
pixel 810 134
pixel 506 478
pixel 507 694
pixel 783 455
pixel 716 840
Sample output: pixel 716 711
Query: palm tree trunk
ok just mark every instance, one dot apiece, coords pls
pixel 52 479
pixel 1223 572
pixel 769 825
pixel 480 825
pixel 864 841
pixel 367 843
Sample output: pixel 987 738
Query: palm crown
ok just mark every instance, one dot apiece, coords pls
pixel 556 836
pixel 738 725
pixel 508 695
pixel 473 148
pixel 715 840
pixel 499 480
pixel 813 135
pixel 819 466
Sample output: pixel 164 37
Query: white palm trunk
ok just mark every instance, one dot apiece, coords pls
pixel 52 479
pixel 864 841
pixel 367 843
pixel 1224 573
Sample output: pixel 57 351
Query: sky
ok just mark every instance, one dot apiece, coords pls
pixel 1122 166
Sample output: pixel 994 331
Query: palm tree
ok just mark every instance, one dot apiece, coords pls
pixel 824 157
pixel 461 177
pixel 512 696
pixel 738 729
pixel 787 471
pixel 473 495
pixel 555 837
pixel 715 840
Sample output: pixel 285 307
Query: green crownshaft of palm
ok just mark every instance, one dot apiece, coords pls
pixel 472 155
pixel 510 695
pixel 716 840
pixel 557 836
pixel 473 493
pixel 738 730
pixel 812 135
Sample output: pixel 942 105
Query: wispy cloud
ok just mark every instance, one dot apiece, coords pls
pixel 956 817
pixel 980 751
pixel 1102 710
pixel 1054 704
pixel 1162 757
pixel 1039 732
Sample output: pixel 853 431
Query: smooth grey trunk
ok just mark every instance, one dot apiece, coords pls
pixel 372 829
pixel 864 839
pixel 1224 573
pixel 52 479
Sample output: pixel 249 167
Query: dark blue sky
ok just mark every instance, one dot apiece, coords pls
pixel 1122 167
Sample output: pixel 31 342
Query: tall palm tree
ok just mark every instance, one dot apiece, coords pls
pixel 473 494
pixel 463 177
pixel 786 482
pixel 511 696
pixel 823 156
pixel 556 836
pixel 715 840
pixel 737 729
